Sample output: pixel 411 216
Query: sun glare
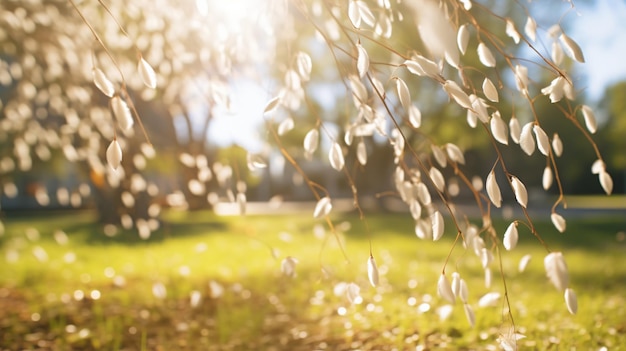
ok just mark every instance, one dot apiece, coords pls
pixel 232 13
pixel 246 27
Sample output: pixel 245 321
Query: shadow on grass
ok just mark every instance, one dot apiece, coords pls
pixel 91 232
pixel 588 233
pixel 595 233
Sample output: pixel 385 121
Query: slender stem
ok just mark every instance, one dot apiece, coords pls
pixel 98 39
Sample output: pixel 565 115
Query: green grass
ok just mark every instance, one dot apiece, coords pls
pixel 42 304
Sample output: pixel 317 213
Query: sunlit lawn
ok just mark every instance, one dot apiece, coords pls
pixel 97 292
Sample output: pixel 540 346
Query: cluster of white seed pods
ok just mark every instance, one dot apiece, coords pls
pixel 415 190
pixel 456 290
pixel 120 108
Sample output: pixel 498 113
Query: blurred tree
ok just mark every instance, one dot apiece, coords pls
pixel 614 103
pixel 613 131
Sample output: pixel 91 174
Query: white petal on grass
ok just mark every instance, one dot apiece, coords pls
pixel 572 48
pixel 526 140
pixel 499 129
pixel 438 225
pixel 361 153
pixel 311 141
pixel 558 221
pixel 372 271
pixel 557 145
pixel 556 270
pixel 547 178
pixel 490 299
pixel 40 254
pixel 508 340
pixel 335 156
pixel 122 113
pixel 490 91
pixel 288 266
pixel 114 154
pixel 521 195
pixel 590 119
pixel 216 289
pixel 403 93
pixel 60 237
pixel 159 291
pixel 493 190
pixel 437 178
pixel 444 289
pixel 469 314
pixel 323 207
pixel 510 236
pixel 462 38
pixel 531 28
pixel 103 83
pixel 486 56
pixel 543 143
pixel 606 182
pixel 444 312
pixel 523 263
pixel 146 72
pixel 271 105
pixel 455 153
pixel 571 301
pixel 353 293
pixel 194 298
pixel 363 60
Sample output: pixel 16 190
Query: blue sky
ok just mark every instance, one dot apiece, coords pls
pixel 600 30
